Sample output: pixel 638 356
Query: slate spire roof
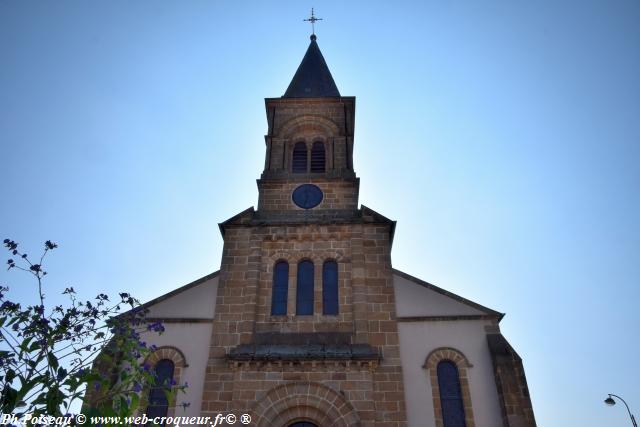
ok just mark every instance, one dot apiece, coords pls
pixel 313 78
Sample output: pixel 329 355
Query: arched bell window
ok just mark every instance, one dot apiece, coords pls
pixel 330 288
pixel 450 395
pixel 158 403
pixel 280 288
pixel 299 158
pixel 318 157
pixel 304 288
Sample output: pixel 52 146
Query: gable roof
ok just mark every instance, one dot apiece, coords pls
pixel 180 289
pixel 313 78
pixel 486 310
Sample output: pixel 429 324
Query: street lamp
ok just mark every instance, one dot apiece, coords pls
pixel 609 401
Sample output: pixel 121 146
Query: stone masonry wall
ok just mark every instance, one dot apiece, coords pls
pixel 374 390
pixel 338 195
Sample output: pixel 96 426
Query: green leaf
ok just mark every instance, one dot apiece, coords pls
pixel 25 344
pixel 53 360
pixel 35 346
pixel 9 376
pixel 9 398
pixel 135 401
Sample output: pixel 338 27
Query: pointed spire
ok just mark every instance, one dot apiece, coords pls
pixel 313 78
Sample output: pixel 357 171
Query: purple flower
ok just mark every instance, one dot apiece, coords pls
pixel 156 327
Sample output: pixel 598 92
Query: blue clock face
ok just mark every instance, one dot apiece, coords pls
pixel 307 196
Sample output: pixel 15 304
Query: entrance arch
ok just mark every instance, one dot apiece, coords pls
pixel 302 402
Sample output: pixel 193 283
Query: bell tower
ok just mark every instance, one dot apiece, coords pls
pixel 309 141
pixel 305 320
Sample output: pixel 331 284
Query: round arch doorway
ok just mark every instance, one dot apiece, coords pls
pixel 303 424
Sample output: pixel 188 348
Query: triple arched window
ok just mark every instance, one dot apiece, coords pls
pixel 303 162
pixel 305 288
pixel 450 395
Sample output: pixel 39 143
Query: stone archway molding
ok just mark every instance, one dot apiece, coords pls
pixel 304 401
pixel 179 364
pixel 462 363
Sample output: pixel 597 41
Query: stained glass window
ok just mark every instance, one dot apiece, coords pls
pixel 280 288
pixel 450 395
pixel 158 403
pixel 330 288
pixel 304 289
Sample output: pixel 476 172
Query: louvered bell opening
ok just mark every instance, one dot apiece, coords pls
pixel 317 157
pixel 299 160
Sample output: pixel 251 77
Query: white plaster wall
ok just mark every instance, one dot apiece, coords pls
pixel 418 339
pixel 413 299
pixel 198 302
pixel 193 341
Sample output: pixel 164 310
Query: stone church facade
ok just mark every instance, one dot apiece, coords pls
pixel 307 323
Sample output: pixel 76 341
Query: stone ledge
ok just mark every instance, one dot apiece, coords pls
pixel 293 352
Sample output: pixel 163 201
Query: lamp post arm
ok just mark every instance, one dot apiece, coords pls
pixel 633 420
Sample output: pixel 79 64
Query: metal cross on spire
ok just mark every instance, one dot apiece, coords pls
pixel 313 20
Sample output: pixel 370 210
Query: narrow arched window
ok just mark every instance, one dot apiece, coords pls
pixel 450 395
pixel 318 157
pixel 280 288
pixel 299 158
pixel 158 403
pixel 304 288
pixel 330 287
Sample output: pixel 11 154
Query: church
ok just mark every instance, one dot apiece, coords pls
pixel 307 323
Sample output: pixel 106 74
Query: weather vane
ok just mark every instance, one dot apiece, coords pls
pixel 313 20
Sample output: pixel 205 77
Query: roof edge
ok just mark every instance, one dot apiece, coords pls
pixel 392 230
pixel 181 289
pixel 444 292
pixel 223 224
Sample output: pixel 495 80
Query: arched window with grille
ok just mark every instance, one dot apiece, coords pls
pixel 280 288
pixel 450 395
pixel 304 288
pixel 299 158
pixel 318 157
pixel 158 403
pixel 330 288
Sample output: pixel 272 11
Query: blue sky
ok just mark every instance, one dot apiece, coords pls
pixel 503 136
